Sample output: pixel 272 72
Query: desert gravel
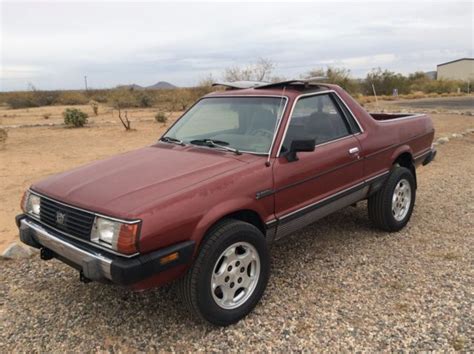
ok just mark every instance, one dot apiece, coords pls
pixel 337 285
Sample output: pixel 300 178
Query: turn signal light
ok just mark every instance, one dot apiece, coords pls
pixel 169 258
pixel 127 238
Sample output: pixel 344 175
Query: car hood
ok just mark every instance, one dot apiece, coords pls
pixel 118 185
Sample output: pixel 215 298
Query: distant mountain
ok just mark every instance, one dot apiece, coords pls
pixel 158 86
pixel 161 85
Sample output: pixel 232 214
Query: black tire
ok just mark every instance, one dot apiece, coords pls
pixel 380 203
pixel 195 287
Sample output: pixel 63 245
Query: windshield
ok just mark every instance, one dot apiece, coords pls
pixel 243 123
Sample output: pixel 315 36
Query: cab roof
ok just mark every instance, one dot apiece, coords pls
pixel 283 88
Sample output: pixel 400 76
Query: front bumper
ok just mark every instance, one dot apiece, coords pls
pixel 96 264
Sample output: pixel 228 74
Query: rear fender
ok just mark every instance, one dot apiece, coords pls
pixel 401 150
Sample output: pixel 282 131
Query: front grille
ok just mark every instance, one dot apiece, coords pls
pixel 72 221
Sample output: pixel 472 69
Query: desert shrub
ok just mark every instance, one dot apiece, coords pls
pixel 72 98
pixel 385 82
pixel 20 100
pixel 338 76
pixel 45 98
pixel 122 98
pixel 74 117
pixel 161 117
pixel 95 107
pixel 182 99
pixel 46 115
pixel 3 137
pixel 439 86
pixel 144 100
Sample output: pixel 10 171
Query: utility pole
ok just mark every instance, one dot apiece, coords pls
pixel 85 82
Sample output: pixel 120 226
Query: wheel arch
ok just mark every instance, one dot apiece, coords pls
pixel 216 215
pixel 405 159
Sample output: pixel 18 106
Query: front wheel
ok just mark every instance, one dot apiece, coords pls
pixel 390 208
pixel 229 275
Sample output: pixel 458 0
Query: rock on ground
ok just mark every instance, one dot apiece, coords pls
pixel 15 251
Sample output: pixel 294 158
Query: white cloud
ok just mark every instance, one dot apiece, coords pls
pixel 124 42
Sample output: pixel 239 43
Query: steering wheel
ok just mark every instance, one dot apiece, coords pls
pixel 262 132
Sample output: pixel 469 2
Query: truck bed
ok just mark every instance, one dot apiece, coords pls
pixel 389 116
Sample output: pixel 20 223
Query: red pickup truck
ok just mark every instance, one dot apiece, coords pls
pixel 239 170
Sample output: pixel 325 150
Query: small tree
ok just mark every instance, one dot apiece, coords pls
pixel 161 117
pixel 385 81
pixel 75 117
pixel 122 98
pixel 338 76
pixel 259 71
pixel 125 121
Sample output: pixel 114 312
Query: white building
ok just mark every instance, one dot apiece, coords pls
pixel 460 69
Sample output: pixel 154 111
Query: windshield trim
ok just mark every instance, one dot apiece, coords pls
pixel 275 133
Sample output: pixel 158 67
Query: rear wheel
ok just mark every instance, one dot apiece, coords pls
pixel 391 207
pixel 229 274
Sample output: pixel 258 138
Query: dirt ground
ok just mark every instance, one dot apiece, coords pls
pixel 465 103
pixel 34 152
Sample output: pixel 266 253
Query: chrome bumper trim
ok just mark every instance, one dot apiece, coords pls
pixel 95 266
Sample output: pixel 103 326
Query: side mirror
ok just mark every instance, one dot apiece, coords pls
pixel 299 145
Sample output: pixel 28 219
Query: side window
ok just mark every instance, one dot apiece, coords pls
pixel 316 117
pixel 354 126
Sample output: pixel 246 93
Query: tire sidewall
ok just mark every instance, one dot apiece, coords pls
pixel 398 174
pixel 209 309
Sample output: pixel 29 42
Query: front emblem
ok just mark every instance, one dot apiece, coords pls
pixel 60 218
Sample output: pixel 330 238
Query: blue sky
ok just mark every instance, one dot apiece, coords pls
pixel 52 45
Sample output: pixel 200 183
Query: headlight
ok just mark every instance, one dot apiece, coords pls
pixel 31 204
pixel 114 234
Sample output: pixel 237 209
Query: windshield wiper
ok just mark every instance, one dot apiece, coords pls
pixel 215 143
pixel 168 139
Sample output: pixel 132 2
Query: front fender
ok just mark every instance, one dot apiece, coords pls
pixel 223 209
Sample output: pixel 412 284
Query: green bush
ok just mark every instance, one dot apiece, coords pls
pixel 161 117
pixel 75 117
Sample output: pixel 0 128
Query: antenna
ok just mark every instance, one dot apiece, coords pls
pixel 85 81
pixel 280 110
pixel 376 100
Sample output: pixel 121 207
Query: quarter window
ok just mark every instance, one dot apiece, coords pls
pixel 316 117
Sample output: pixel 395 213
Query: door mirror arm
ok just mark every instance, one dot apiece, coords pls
pixel 299 146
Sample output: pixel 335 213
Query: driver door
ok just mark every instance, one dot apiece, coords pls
pixel 320 181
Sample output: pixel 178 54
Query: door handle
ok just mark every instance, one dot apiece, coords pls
pixel 354 150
